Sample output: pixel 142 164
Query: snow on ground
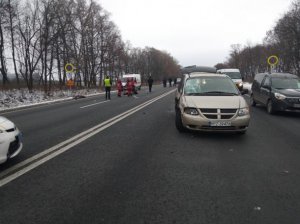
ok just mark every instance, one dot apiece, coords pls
pixel 247 85
pixel 15 98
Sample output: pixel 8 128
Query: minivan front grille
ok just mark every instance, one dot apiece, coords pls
pixel 228 111
pixel 212 113
pixel 205 110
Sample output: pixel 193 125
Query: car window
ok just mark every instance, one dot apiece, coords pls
pixel 259 77
pixel 266 82
pixel 234 75
pixel 285 83
pixel 210 85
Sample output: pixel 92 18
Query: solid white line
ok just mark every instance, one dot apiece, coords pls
pixel 94 104
pixel 37 160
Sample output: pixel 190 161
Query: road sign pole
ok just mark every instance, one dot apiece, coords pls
pixel 272 61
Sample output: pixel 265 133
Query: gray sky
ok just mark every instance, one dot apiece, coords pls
pixel 195 31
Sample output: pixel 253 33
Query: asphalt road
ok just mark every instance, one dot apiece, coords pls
pixel 141 170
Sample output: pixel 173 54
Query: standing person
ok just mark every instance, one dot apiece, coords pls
pixel 170 82
pixel 175 81
pixel 119 87
pixel 107 85
pixel 164 82
pixel 129 87
pixel 150 82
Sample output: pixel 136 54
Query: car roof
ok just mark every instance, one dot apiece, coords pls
pixel 282 75
pixel 277 75
pixel 229 70
pixel 203 74
pixel 195 68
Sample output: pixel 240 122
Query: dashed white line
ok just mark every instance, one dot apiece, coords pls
pixel 37 160
pixel 90 105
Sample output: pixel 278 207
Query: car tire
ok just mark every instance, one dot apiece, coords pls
pixel 270 108
pixel 178 121
pixel 252 101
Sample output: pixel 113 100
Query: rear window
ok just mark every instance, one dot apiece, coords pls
pixel 233 75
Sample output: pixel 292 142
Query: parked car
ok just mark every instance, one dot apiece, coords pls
pixel 234 74
pixel 210 102
pixel 277 91
pixel 10 140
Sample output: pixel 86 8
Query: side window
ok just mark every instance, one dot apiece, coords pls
pixel 266 82
pixel 259 78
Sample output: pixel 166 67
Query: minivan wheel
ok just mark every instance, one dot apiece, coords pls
pixel 270 108
pixel 178 121
pixel 252 101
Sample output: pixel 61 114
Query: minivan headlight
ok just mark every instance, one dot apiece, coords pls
pixel 240 84
pixel 243 111
pixel 279 96
pixel 191 111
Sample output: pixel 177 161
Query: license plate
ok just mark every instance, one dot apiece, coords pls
pixel 220 123
pixel 297 105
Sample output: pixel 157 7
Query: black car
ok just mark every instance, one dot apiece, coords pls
pixel 277 91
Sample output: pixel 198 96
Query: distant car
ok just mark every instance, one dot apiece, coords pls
pixel 10 140
pixel 234 74
pixel 210 102
pixel 277 91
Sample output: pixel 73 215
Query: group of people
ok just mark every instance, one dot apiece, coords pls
pixel 130 86
pixel 170 82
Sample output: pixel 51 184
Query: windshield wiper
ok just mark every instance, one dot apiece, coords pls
pixel 194 94
pixel 221 93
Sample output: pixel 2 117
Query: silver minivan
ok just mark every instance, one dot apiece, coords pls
pixel 210 102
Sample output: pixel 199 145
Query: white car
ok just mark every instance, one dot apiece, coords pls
pixel 10 140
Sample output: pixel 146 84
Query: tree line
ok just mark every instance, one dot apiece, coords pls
pixel 39 37
pixel 283 41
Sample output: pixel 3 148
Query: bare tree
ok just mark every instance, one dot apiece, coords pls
pixel 3 22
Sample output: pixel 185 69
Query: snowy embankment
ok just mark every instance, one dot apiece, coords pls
pixel 247 85
pixel 15 98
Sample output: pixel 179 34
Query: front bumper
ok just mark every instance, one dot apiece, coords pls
pixel 10 145
pixel 200 123
pixel 288 104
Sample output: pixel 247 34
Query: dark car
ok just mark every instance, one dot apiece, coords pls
pixel 277 91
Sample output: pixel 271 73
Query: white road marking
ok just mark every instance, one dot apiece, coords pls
pixel 94 104
pixel 135 96
pixel 37 160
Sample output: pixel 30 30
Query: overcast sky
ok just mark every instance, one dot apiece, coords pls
pixel 195 31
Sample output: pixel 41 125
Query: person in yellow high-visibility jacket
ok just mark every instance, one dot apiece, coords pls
pixel 107 85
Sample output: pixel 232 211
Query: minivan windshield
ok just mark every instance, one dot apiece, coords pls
pixel 285 83
pixel 233 75
pixel 210 86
